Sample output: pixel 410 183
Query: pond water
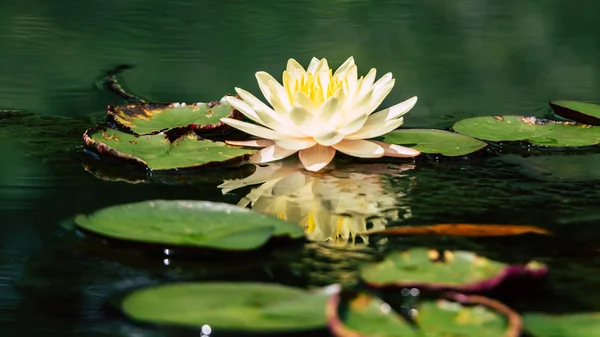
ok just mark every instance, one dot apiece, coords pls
pixel 462 58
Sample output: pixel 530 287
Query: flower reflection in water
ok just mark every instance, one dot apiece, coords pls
pixel 333 207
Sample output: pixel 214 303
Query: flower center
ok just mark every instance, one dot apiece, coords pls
pixel 317 88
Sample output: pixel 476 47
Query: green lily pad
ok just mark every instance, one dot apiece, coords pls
pixel 435 141
pixel 574 325
pixel 583 112
pixel 255 307
pixel 370 316
pixel 188 223
pixel 534 130
pixel 158 153
pixel 457 270
pixel 151 118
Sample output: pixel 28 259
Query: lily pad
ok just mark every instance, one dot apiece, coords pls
pixel 573 325
pixel 151 118
pixel 187 223
pixel 254 307
pixel 534 130
pixel 435 141
pixel 583 112
pixel 158 153
pixel 457 270
pixel 368 316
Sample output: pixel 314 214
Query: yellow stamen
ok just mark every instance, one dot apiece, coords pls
pixel 312 86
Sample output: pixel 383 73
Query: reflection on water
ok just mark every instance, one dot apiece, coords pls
pixel 334 206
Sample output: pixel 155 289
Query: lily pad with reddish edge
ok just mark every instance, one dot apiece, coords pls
pixel 432 141
pixel 568 325
pixel 458 229
pixel 536 131
pixel 237 306
pixel 187 223
pixel 157 152
pixel 450 315
pixel 451 270
pixel 582 112
pixel 152 118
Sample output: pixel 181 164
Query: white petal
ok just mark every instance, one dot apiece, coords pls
pixel 264 80
pixel 304 120
pixel 295 69
pixel 393 150
pixel 351 77
pixel 316 157
pixel 295 143
pixel 280 99
pixel 376 130
pixel 328 136
pixel 367 83
pixel 345 66
pixel 252 129
pixel 392 112
pixel 351 126
pixel 251 143
pixel 360 148
pixel 244 108
pixel 253 102
pixel 302 99
pixel 314 62
pixel 271 153
pixel 330 111
pixel 380 92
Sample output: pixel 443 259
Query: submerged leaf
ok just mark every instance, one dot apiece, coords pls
pixel 462 230
pixel 151 118
pixel 582 112
pixel 435 141
pixel 158 153
pixel 439 271
pixel 257 307
pixel 201 224
pixel 534 130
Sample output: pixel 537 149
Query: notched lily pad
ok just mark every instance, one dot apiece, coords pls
pixel 583 112
pixel 454 315
pixel 432 141
pixel 158 153
pixel 573 325
pixel 187 223
pixel 458 270
pixel 152 118
pixel 248 307
pixel 536 131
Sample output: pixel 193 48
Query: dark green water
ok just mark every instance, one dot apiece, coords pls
pixel 462 58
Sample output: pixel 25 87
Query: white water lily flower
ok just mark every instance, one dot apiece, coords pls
pixel 317 112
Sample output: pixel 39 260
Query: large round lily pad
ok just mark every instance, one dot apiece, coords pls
pixel 368 316
pixel 573 325
pixel 435 141
pixel 158 153
pixel 534 130
pixel 583 112
pixel 255 307
pixel 457 270
pixel 188 223
pixel 150 118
